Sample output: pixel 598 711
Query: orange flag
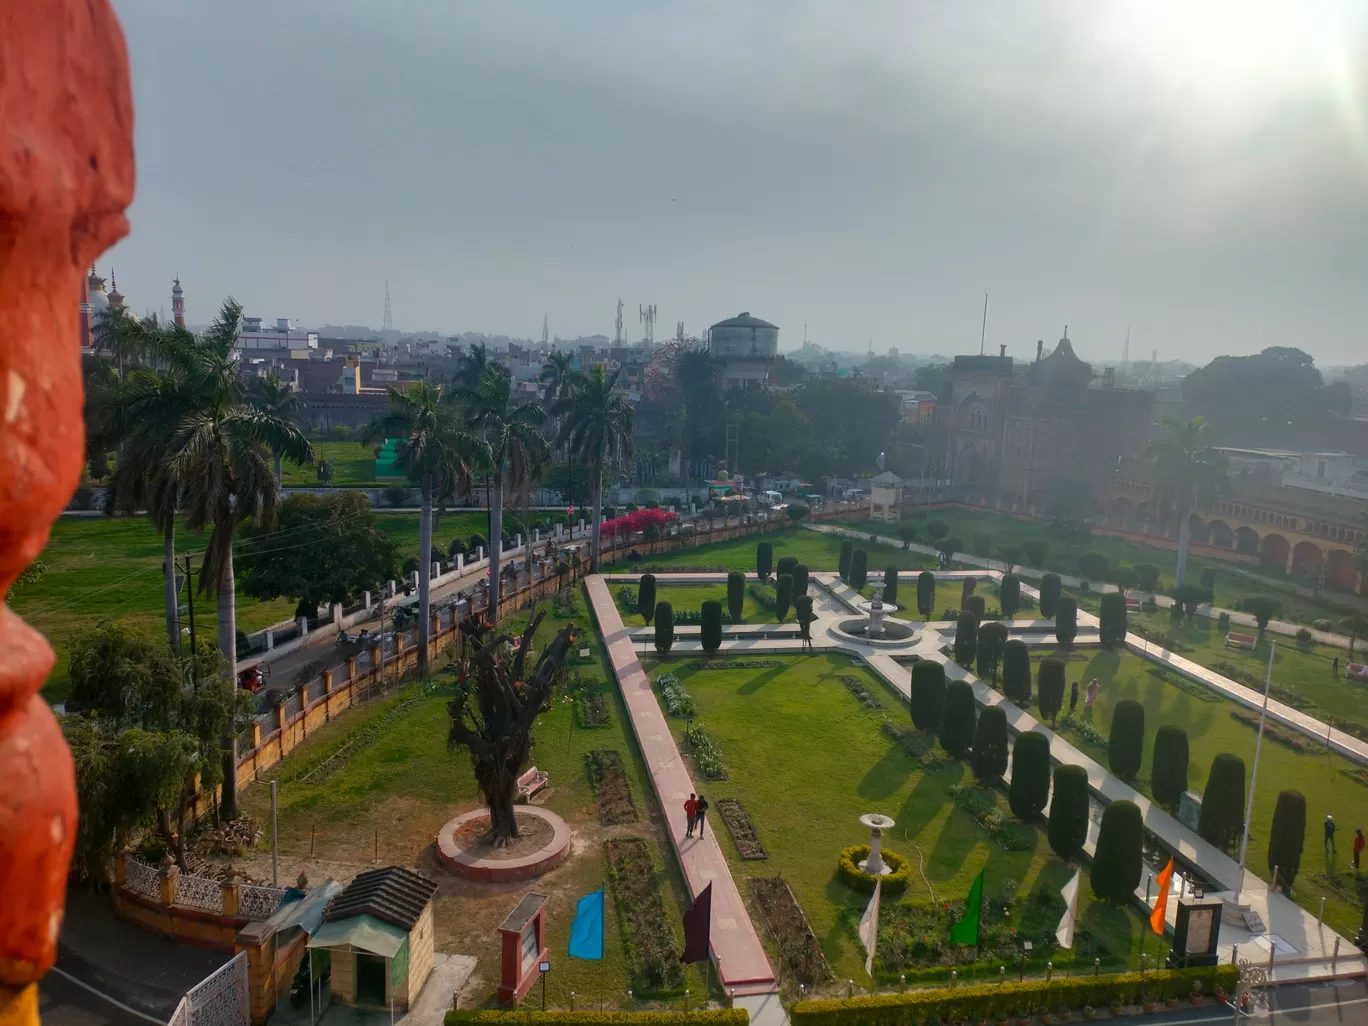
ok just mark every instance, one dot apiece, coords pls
pixel 1161 904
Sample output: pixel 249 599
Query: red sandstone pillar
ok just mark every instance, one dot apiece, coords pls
pixel 66 176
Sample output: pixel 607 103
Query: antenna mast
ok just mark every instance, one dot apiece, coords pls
pixel 983 331
pixel 617 334
pixel 647 316
pixel 388 323
pixel 546 337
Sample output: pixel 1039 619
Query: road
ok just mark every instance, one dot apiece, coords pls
pixel 62 1002
pixel 1323 1004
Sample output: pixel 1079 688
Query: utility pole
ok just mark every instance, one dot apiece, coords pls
pixel 382 638
pixel 190 599
pixel 983 331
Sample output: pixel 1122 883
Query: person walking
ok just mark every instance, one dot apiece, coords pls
pixel 1073 697
pixel 1359 843
pixel 690 813
pixel 1330 834
pixel 1094 686
pixel 702 810
pixel 1334 667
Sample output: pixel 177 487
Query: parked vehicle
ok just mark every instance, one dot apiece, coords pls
pixel 254 677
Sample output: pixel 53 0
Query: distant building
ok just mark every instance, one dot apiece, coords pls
pixel 744 345
pixel 284 339
pixel 916 407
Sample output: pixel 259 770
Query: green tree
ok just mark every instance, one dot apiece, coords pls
pixel 1188 597
pixel 1126 747
pixel 796 511
pixel 926 594
pixel 1036 550
pixel 1051 687
pixel 736 595
pixel 966 639
pixel 1068 826
pixel 1222 817
pixel 992 639
pixel 1011 555
pixel 1029 791
pixel 1016 672
pixel 664 628
pixel 1066 621
pixel 764 560
pixel 907 534
pixel 859 569
pixel 1262 607
pixel 948 546
pixel 1093 566
pixel 977 605
pixel 785 565
pixel 927 700
pixel 983 545
pixel 277 399
pixel 802 612
pixel 1354 625
pixel 989 760
pixel 321 549
pixel 646 597
pixel 1009 595
pixel 1117 860
pixel 120 674
pixel 1287 838
pixel 843 563
pixel 937 529
pixel 1188 472
pixel 1112 619
pixel 890 592
pixel 957 728
pixel 1125 578
pixel 1050 590
pixel 783 596
pixel 599 428
pixel 711 633
pixel 800 580
pixel 1148 575
pixel 439 454
pixel 1169 770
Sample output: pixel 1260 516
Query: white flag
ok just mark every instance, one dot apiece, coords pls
pixel 869 928
pixel 1064 935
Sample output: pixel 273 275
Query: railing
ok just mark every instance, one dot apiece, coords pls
pixel 259 902
pixel 199 892
pixel 223 998
pixel 141 879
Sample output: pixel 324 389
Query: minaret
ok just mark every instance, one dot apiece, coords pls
pixel 87 337
pixel 115 296
pixel 177 303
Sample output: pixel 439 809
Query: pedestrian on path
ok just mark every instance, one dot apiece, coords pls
pixel 1359 842
pixel 1334 667
pixel 1094 686
pixel 1073 698
pixel 690 811
pixel 1330 834
pixel 702 811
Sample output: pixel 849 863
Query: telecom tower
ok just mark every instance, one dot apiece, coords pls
pixel 1125 347
pixel 546 336
pixel 679 331
pixel 388 324
pixel 617 333
pixel 647 316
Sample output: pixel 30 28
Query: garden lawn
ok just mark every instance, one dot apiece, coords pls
pixel 1332 785
pixel 406 783
pixel 353 466
pixel 1234 581
pixel 817 550
pixel 806 759
pixel 692 597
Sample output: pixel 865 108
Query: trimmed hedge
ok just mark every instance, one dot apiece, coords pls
pixel 992 637
pixel 989 1000
pixel 736 595
pixel 1288 837
pixel 1112 618
pixel 1029 792
pixel 664 627
pixel 1169 772
pixel 1223 800
pixel 1093 566
pixel 1126 745
pixel 957 729
pixel 646 597
pixel 989 759
pixel 928 694
pixel 976 605
pixel 800 580
pixel 783 596
pixel 1016 672
pixel 966 639
pixel 1050 590
pixel 859 569
pixel 764 560
pixel 848 867
pixel 890 592
pixel 843 564
pixel 1066 621
pixel 557 1017
pixel 711 632
pixel 1068 826
pixel 1050 684
pixel 926 594
pixel 785 565
pixel 1117 861
pixel 1009 595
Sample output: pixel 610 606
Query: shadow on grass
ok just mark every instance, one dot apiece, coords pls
pixel 761 679
pixel 926 801
pixel 887 775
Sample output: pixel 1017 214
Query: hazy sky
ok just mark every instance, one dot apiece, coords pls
pixel 1197 171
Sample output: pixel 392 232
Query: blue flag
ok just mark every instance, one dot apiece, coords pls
pixel 586 932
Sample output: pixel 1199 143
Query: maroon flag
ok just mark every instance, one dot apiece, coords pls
pixel 697 926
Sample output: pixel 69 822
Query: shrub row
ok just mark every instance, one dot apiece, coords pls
pixel 1029 997
pixel 705 752
pixel 678 701
pixel 492 1017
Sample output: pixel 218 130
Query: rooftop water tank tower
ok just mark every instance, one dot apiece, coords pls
pixel 743 337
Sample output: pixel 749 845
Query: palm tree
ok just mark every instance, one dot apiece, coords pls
pixel 559 376
pixel 219 452
pixel 438 453
pixel 517 449
pixel 272 395
pixel 1188 472
pixel 473 366
pixel 598 427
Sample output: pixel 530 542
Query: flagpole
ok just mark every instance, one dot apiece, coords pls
pixel 1254 774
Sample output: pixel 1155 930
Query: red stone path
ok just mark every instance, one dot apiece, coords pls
pixel 740 957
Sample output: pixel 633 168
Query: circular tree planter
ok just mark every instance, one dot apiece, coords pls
pixel 463 850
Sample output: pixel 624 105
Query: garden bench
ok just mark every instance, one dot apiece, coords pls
pixel 1356 671
pixel 530 782
pixel 1234 640
pixel 1132 604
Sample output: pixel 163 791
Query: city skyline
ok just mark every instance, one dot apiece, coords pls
pixel 869 172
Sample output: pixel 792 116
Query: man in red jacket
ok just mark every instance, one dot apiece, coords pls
pixel 690 811
pixel 1359 843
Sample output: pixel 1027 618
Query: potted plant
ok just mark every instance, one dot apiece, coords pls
pixel 1195 995
pixel 1063 1013
pixel 1150 1002
pixel 1171 1001
pixel 1221 994
pixel 1089 1012
pixel 1115 1006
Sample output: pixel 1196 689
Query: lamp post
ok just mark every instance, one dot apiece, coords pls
pixel 1254 773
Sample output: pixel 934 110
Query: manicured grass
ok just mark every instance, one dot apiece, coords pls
pixel 353 466
pixel 1332 785
pixel 407 783
pixel 807 759
pixel 817 550
pixel 692 597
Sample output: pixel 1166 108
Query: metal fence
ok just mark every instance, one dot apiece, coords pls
pixel 199 892
pixel 221 999
pixel 140 878
pixel 259 902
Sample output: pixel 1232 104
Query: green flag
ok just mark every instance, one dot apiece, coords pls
pixel 966 931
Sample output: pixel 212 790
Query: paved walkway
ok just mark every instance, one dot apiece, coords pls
pixel 741 961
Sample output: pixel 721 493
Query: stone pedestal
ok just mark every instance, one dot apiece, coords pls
pixel 874 864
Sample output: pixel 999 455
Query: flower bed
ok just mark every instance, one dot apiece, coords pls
pixel 678 702
pixel 1294 740
pixel 736 664
pixel 848 867
pixel 648 942
pixel 748 844
pixel 608 779
pixel 983 806
pixel 920 744
pixel 790 932
pixel 705 753
pixel 591 709
pixel 856 687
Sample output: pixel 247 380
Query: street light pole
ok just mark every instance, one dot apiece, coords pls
pixel 1254 774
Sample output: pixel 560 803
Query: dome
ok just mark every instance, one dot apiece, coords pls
pixel 745 320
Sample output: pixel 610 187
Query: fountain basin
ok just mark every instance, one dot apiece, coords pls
pixel 895 632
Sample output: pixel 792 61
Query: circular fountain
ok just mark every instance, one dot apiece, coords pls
pixel 876 628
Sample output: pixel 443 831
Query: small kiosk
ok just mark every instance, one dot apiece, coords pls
pixel 523 947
